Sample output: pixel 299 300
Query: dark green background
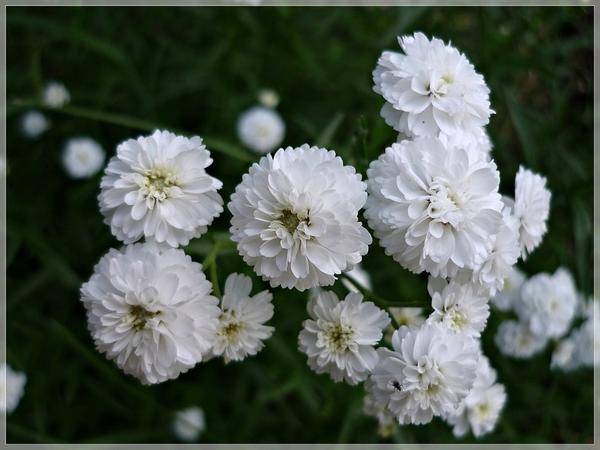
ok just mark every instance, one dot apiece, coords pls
pixel 130 70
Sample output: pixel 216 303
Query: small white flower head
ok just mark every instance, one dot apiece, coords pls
pixel 386 421
pixel 150 310
pixel 515 339
pixel 428 373
pixel 548 303
pixel 34 123
pixel 564 356
pixel 359 276
pixel 295 217
pixel 460 307
pixel 56 95
pixel 268 98
pixel 434 209
pixel 82 157
pixel 189 423
pixel 339 336
pixel 12 388
pixel 261 129
pixel 532 208
pixel 157 187
pixel 241 330
pixel 431 89
pixel 586 343
pixel 510 294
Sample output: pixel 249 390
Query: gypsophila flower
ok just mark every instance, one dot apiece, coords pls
pixel 157 187
pixel 339 336
pixel 515 339
pixel 511 292
pixel 241 330
pixel 189 423
pixel 532 208
pixel 548 303
pixel 564 355
pixel 268 98
pixel 429 372
pixel 386 422
pixel 82 157
pixel 12 387
pixel 579 348
pixel 34 123
pixel 358 276
pixel 295 217
pixel 261 129
pixel 150 310
pixel 431 89
pixel 433 208
pixel 55 95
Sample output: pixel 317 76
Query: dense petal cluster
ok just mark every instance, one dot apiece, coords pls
pixel 261 129
pixel 12 387
pixel 339 336
pixel 242 330
pixel 82 157
pixel 157 187
pixel 34 123
pixel 150 310
pixel 295 217
pixel 515 339
pixel 189 423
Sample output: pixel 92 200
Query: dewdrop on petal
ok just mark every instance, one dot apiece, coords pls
pixel 55 95
pixel 12 387
pixel 33 124
pixel 189 423
pixel 261 129
pixel 82 157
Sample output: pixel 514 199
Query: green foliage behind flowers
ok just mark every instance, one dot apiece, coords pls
pixel 194 70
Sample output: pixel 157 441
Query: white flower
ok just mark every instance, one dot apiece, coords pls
pixel 11 389
pixel 532 207
pixel 34 123
pixel 241 330
pixel 385 419
pixel 515 339
pixel 433 208
pixel 358 276
pixel 564 356
pixel 480 410
pixel 410 316
pixel 55 95
pixel 460 307
pixel 261 129
pixel 431 89
pixel 579 348
pixel 157 187
pixel 150 310
pixel 82 157
pixel 548 303
pixel 505 299
pixel 295 217
pixel 339 337
pixel 429 372
pixel 268 98
pixel 189 423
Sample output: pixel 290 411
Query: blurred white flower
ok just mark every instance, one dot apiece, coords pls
pixel 55 95
pixel 241 330
pixel 410 317
pixel 339 337
pixel 515 339
pixel 532 208
pixel 82 157
pixel 358 276
pixel 34 123
pixel 505 299
pixel 548 303
pixel 431 89
pixel 579 348
pixel 261 129
pixel 268 98
pixel 157 187
pixel 295 217
pixel 564 356
pixel 434 209
pixel 385 419
pixel 429 372
pixel 189 423
pixel 150 310
pixel 12 387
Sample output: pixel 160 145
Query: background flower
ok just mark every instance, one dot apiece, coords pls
pixel 55 95
pixel 189 423
pixel 34 123
pixel 261 128
pixel 12 387
pixel 83 157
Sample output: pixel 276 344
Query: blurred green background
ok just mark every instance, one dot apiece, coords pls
pixel 130 70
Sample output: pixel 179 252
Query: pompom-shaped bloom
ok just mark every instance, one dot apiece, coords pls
pixel 548 303
pixel 241 330
pixel 157 187
pixel 56 95
pixel 429 372
pixel 12 387
pixel 532 208
pixel 295 217
pixel 261 129
pixel 34 123
pixel 150 310
pixel 434 209
pixel 515 339
pixel 189 423
pixel 431 89
pixel 510 294
pixel 339 336
pixel 82 157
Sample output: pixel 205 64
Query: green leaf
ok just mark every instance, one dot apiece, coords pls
pixel 328 132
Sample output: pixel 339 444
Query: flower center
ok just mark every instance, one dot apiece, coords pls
pixel 339 337
pixel 290 220
pixel 231 327
pixel 458 319
pixel 158 183
pixel 140 316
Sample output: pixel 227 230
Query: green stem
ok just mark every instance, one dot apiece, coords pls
pixel 211 262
